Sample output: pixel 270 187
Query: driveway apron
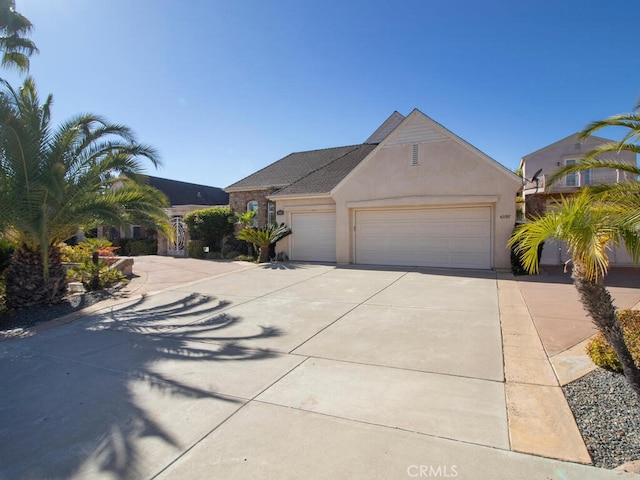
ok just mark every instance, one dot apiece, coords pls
pixel 276 371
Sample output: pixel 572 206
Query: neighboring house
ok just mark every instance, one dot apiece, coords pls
pixel 184 198
pixel 540 195
pixel 412 194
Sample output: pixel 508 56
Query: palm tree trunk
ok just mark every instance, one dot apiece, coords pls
pixel 597 301
pixel 264 253
pixel 26 282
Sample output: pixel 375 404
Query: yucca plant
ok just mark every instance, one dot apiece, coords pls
pixel 263 237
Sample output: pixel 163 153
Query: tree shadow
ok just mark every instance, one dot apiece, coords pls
pixel 112 385
pixel 625 277
pixel 278 265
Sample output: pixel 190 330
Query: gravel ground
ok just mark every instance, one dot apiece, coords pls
pixel 607 412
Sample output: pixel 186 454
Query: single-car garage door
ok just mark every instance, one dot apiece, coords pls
pixel 430 237
pixel 314 237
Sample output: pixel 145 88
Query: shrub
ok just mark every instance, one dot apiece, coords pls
pixel 517 268
pixel 6 250
pixel 132 247
pixel 210 226
pixel 603 355
pixel 195 249
pixel 245 258
pixel 95 277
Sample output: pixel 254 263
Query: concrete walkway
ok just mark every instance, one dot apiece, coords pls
pixel 561 321
pixel 283 371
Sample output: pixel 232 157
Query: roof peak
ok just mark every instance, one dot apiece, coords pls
pixel 388 126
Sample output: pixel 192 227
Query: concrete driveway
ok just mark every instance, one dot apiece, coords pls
pixel 271 372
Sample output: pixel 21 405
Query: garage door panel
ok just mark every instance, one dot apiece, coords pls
pixel 438 237
pixel 314 237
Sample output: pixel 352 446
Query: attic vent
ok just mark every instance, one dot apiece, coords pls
pixel 578 146
pixel 414 155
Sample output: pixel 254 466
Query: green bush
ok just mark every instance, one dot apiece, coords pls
pixel 6 251
pixel 603 355
pixel 517 268
pixel 246 258
pixel 210 226
pixel 132 247
pixel 95 277
pixel 195 249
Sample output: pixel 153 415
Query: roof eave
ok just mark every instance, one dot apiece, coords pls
pixel 254 187
pixel 299 196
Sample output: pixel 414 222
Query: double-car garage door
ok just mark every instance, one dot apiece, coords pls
pixel 431 237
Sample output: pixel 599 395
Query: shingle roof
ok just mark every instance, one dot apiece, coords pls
pixel 325 178
pixel 315 171
pixel 291 168
pixel 386 128
pixel 183 193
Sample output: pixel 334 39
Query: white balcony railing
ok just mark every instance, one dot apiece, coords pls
pixel 578 180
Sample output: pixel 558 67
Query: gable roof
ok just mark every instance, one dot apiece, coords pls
pixel 312 168
pixel 290 169
pixel 418 128
pixel 183 193
pixel 318 172
pixel 388 126
pixel 322 180
pixel 573 138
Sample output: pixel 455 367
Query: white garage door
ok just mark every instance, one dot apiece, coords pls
pixel 434 237
pixel 314 237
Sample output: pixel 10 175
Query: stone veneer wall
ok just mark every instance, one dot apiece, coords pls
pixel 238 203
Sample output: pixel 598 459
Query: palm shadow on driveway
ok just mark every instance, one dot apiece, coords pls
pixel 116 394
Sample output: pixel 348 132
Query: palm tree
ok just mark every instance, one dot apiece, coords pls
pixel 13 28
pixel 589 223
pixel 54 181
pixel 263 237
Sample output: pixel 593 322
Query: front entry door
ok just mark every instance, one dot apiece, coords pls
pixel 176 247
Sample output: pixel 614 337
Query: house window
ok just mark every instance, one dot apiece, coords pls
pixel 571 180
pixel 252 206
pixel 271 213
pixel 586 177
pixel 135 231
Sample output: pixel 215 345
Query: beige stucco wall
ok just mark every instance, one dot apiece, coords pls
pixel 448 174
pixel 299 205
pixel 571 147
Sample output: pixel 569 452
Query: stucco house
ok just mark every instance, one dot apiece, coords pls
pixel 413 194
pixel 539 195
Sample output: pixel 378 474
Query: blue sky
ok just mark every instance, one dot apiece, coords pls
pixel 223 88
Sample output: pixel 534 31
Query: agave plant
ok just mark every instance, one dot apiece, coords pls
pixel 263 237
